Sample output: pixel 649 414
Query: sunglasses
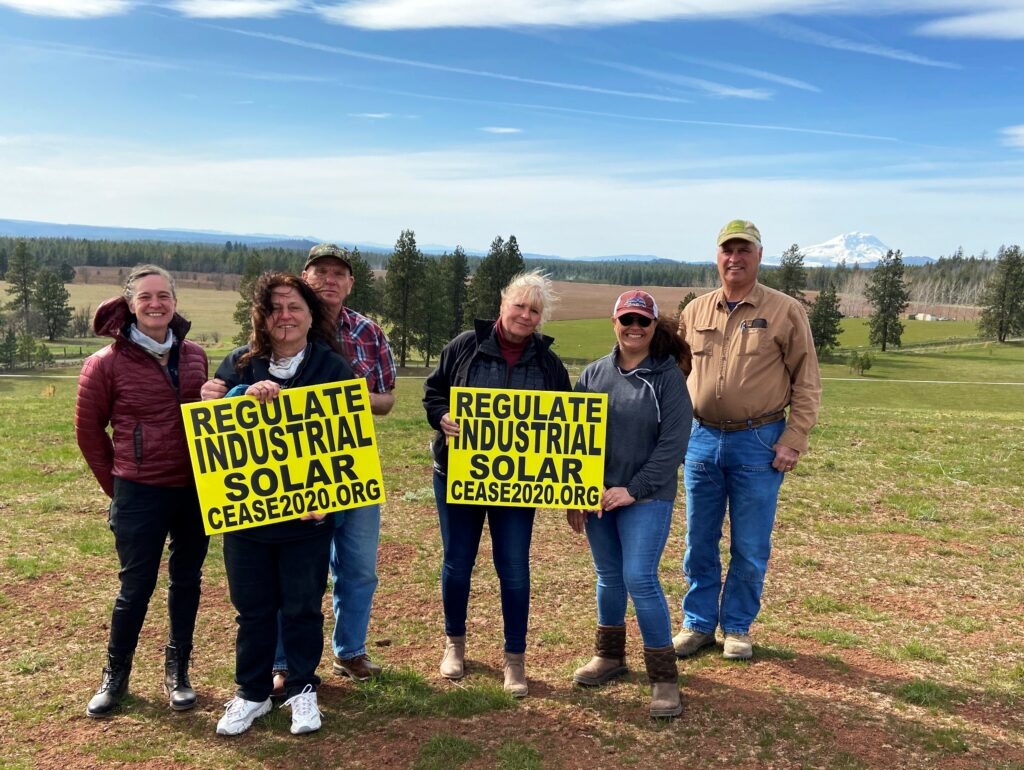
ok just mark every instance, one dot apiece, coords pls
pixel 629 319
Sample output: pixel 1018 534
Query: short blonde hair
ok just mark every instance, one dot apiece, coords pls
pixel 536 288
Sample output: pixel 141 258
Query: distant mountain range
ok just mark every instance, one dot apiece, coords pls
pixel 852 248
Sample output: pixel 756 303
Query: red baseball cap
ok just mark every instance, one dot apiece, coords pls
pixel 636 301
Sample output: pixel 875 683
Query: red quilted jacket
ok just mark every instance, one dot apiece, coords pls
pixel 124 387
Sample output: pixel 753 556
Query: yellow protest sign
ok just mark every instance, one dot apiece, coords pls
pixel 310 450
pixel 527 448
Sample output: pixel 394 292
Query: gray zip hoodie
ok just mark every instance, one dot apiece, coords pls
pixel 649 419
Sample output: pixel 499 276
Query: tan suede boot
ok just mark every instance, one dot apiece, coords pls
pixel 515 675
pixel 453 664
pixel 661 671
pixel 609 659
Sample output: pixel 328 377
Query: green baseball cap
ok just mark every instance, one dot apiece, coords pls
pixel 742 229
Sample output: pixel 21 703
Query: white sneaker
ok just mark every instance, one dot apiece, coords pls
pixel 305 714
pixel 240 714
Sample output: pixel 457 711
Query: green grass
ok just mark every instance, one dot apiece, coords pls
pixel 898 545
pixel 587 339
pixel 443 752
pixel 397 692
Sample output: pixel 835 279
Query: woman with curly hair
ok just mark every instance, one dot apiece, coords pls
pixel 280 567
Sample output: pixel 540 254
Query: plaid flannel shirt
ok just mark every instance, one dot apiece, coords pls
pixel 367 350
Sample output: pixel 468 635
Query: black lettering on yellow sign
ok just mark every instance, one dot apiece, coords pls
pixel 309 452
pixel 527 448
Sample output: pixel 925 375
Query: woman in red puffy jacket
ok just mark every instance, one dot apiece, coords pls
pixel 135 387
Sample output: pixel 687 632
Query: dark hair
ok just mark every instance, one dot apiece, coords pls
pixel 667 342
pixel 321 329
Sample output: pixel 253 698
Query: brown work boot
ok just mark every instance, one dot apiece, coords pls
pixel 661 671
pixel 738 647
pixel 515 675
pixel 609 659
pixel 359 668
pixel 689 641
pixel 453 664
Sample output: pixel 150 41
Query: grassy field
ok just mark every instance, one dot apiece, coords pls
pixel 890 635
pixel 587 339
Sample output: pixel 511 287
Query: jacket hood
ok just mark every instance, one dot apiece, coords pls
pixel 484 329
pixel 649 365
pixel 113 316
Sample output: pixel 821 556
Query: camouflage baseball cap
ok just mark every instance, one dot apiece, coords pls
pixel 326 250
pixel 742 229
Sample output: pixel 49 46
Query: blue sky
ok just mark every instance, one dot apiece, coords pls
pixel 584 128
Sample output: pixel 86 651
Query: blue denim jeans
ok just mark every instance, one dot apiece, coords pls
pixel 627 544
pixel 511 532
pixel 731 470
pixel 354 568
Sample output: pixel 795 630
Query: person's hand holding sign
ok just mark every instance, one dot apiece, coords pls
pixel 449 427
pixel 616 497
pixel 264 391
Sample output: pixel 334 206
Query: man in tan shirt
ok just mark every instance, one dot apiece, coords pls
pixel 753 356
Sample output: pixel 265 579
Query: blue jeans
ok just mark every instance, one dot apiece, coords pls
pixel 627 544
pixel 736 469
pixel 354 567
pixel 511 532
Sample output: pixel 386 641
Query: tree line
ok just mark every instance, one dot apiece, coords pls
pixel 427 300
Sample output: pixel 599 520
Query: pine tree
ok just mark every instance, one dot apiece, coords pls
pixel 888 294
pixel 9 349
pixel 690 297
pixel 501 264
pixel 435 318
pixel 243 308
pixel 1002 315
pixel 21 275
pixel 455 269
pixel 825 318
pixel 403 297
pixel 363 297
pixel 26 348
pixel 791 277
pixel 53 303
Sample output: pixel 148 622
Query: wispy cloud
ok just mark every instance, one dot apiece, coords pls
pixel 235 9
pixel 1013 136
pixel 795 32
pixel 100 54
pixel 1006 24
pixel 323 47
pixel 708 86
pixel 371 115
pixel 737 69
pixel 501 130
pixel 72 9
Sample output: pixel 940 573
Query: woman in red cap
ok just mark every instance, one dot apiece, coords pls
pixel 649 416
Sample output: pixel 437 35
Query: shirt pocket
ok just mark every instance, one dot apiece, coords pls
pixel 752 341
pixel 703 340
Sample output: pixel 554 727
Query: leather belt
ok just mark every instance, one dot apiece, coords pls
pixel 728 426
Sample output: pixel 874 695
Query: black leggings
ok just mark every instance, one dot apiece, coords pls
pixel 141 518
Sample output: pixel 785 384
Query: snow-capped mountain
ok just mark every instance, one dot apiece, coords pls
pixel 854 248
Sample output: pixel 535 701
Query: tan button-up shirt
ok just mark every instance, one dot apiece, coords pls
pixel 753 361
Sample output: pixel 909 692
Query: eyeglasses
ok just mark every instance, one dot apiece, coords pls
pixel 634 318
